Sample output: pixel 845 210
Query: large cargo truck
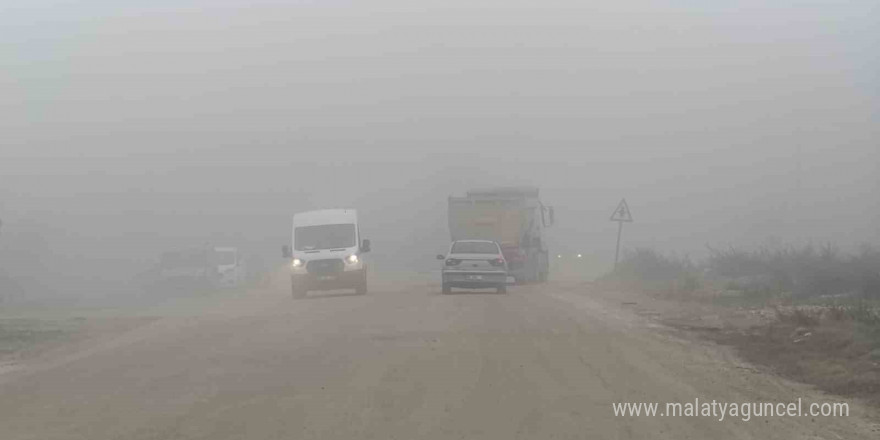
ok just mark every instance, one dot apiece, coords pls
pixel 515 218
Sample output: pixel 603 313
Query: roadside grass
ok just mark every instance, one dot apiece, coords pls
pixel 835 348
pixel 652 272
pixel 803 272
pixel 19 335
pixel 824 307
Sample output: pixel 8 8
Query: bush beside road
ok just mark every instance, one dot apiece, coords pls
pixel 812 315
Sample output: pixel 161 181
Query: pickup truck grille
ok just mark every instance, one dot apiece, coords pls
pixel 324 267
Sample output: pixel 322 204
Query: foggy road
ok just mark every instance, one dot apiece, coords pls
pixel 403 362
pixel 695 184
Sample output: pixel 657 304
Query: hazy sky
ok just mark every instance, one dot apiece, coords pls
pixel 128 129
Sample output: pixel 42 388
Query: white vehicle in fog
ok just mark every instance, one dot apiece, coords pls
pixel 474 264
pixel 211 266
pixel 326 252
pixel 228 267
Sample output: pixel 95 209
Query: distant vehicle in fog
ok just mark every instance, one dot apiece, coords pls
pixel 513 217
pixel 474 264
pixel 210 266
pixel 326 252
pixel 227 267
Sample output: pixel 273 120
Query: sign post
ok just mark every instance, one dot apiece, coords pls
pixel 621 215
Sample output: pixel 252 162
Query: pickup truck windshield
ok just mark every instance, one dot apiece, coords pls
pixel 474 247
pixel 309 238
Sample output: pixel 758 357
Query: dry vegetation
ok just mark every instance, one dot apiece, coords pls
pixel 825 307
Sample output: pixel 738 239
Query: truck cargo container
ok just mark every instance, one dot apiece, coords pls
pixel 513 217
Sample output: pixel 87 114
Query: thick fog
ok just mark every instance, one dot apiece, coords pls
pixel 129 130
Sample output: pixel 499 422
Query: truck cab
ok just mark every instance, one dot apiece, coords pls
pixel 326 252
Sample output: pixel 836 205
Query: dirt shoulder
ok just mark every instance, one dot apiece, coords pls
pixel 26 341
pixel 808 344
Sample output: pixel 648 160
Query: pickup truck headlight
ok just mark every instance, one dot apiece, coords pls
pixel 297 262
pixel 351 259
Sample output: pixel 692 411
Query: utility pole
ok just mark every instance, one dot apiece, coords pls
pixel 617 250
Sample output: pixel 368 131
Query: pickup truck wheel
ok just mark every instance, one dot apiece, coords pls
pixel 501 289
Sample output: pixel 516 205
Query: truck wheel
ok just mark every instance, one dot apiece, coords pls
pixel 446 289
pixel 361 288
pixel 501 289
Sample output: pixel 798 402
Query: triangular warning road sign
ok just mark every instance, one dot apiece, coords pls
pixel 621 213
